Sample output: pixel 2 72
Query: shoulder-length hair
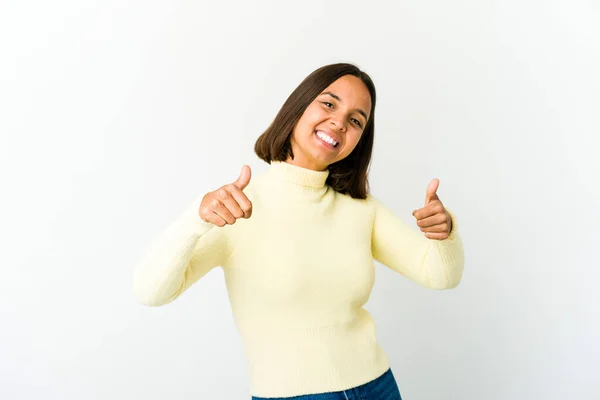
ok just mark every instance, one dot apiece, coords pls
pixel 347 176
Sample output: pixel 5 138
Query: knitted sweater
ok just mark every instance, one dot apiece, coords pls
pixel 298 273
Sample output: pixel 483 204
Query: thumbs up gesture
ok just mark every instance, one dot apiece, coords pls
pixel 228 203
pixel 433 219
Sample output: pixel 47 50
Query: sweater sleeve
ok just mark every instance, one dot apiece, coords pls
pixel 178 257
pixel 435 264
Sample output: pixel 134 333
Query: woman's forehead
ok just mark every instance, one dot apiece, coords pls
pixel 351 91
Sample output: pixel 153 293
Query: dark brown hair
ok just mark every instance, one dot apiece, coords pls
pixel 347 176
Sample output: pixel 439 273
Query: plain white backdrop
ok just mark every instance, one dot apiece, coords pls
pixel 115 114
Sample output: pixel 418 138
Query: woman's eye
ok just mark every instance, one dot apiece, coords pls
pixel 357 122
pixel 328 104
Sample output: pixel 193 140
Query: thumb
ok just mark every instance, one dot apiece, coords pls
pixel 431 194
pixel 244 178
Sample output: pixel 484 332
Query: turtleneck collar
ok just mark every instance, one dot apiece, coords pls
pixel 299 175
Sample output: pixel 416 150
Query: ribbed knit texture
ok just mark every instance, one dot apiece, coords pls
pixel 298 273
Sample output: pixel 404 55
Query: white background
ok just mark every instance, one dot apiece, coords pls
pixel 114 115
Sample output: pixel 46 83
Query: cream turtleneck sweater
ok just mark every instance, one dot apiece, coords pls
pixel 298 273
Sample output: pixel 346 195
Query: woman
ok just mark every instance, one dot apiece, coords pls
pixel 297 245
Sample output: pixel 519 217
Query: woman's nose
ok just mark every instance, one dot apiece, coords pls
pixel 337 123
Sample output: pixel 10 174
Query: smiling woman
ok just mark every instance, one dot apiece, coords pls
pixel 331 127
pixel 297 245
pixel 335 103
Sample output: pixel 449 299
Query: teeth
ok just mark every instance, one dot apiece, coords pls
pixel 326 138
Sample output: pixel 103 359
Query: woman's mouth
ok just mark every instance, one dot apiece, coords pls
pixel 326 139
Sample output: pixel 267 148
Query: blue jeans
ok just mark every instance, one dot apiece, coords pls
pixel 382 388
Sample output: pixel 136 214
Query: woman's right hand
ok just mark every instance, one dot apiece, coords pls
pixel 228 203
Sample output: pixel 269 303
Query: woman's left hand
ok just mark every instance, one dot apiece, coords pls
pixel 433 219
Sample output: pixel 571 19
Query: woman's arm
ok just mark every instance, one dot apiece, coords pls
pixel 183 253
pixel 435 264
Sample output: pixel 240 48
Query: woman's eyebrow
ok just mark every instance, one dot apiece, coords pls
pixel 335 96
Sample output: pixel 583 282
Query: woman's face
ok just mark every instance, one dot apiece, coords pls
pixel 331 126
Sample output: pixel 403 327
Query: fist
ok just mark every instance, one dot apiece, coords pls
pixel 433 219
pixel 228 203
